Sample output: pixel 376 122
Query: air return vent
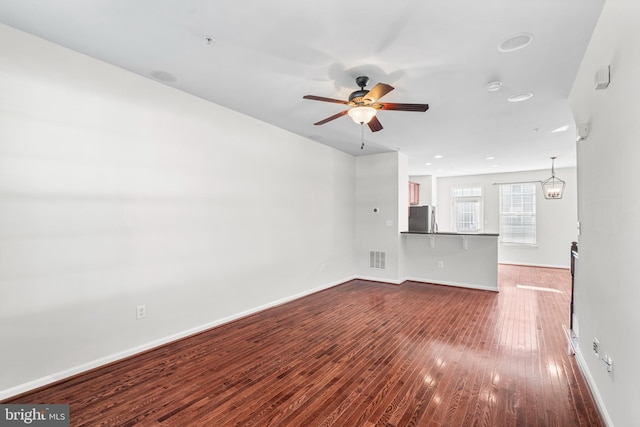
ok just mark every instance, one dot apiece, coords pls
pixel 378 260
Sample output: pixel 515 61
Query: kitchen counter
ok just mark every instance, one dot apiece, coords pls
pixel 450 233
pixel 454 259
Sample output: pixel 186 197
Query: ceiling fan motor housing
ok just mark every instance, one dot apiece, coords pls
pixel 357 97
pixel 362 81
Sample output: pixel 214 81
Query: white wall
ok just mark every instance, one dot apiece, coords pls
pixel 556 220
pixel 117 191
pixel 382 200
pixel 607 291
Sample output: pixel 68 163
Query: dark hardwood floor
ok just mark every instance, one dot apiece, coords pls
pixel 359 354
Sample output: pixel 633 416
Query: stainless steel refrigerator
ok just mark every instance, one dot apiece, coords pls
pixel 423 219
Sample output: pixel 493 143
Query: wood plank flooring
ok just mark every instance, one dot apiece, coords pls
pixel 359 354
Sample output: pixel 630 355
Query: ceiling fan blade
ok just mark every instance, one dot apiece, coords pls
pixel 335 116
pixel 403 107
pixel 375 125
pixel 378 92
pixel 321 98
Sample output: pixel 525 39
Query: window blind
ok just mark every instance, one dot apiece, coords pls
pixel 518 213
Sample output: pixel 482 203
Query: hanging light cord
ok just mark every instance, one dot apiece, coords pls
pixel 553 171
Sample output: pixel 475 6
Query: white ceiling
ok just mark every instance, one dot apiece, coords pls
pixel 267 55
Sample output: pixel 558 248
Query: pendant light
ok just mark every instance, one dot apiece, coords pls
pixel 553 187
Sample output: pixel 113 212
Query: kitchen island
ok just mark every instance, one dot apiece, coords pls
pixel 453 259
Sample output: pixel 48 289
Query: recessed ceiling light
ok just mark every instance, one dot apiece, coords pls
pixel 489 158
pixel 516 42
pixel 520 97
pixel 561 129
pixel 494 86
pixel 428 164
pixel 494 166
pixel 164 76
pixel 437 156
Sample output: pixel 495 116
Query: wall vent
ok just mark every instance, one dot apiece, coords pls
pixel 378 259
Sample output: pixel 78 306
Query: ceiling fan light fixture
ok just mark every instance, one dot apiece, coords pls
pixel 362 115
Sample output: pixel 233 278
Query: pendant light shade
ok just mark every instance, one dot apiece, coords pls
pixel 362 115
pixel 553 187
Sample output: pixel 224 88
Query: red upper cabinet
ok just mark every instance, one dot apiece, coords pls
pixel 414 193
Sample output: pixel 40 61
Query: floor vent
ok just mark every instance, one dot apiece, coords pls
pixel 378 260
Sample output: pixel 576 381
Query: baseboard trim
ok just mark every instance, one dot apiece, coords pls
pixel 103 361
pixel 430 282
pixel 582 364
pixel 524 264
pixel 379 279
pixel 454 284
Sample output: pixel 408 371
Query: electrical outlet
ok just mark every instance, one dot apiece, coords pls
pixel 440 264
pixel 596 347
pixel 141 311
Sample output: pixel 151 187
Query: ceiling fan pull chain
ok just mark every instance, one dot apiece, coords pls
pixel 362 135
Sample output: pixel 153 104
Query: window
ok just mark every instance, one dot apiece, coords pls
pixel 518 213
pixel 467 209
pixel 467 192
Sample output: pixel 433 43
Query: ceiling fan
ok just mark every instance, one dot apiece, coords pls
pixel 364 104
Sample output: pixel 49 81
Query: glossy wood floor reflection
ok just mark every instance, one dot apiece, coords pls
pixel 359 354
